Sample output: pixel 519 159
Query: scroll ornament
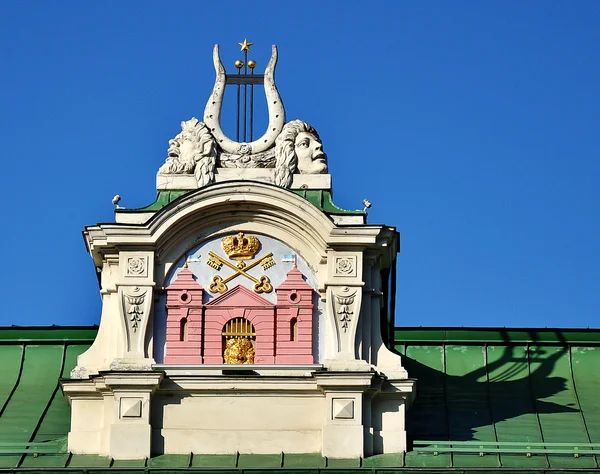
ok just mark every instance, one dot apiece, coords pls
pixel 134 308
pixel 344 310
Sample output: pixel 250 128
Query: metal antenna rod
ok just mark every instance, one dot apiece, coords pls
pixel 245 91
pixel 237 125
pixel 251 105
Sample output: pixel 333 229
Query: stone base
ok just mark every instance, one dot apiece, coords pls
pixel 178 411
pixel 167 182
pixel 130 441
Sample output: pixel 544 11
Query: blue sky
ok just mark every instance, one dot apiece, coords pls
pixel 471 126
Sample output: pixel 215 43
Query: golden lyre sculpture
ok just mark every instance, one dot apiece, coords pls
pixel 240 247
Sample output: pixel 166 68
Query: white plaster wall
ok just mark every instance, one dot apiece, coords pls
pixel 87 423
pixel 245 423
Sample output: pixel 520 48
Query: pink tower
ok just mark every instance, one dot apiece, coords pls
pixel 294 320
pixel 184 320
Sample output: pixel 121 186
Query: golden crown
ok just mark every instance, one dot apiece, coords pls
pixel 240 247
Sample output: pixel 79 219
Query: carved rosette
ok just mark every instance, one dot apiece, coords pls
pixel 136 266
pixel 345 266
pixel 343 311
pixel 135 306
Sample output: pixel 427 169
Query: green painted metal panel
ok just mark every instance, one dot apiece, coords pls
pixel 214 471
pixel 214 460
pixel 323 200
pixel 47 470
pixel 496 336
pixel 125 470
pixel 427 419
pixel 303 460
pixel 343 463
pixel 468 401
pixel 163 198
pixel 44 460
pixel 566 461
pixel 556 402
pixel 170 460
pixel 57 420
pixel 9 370
pixel 413 459
pixel 88 460
pixel 128 463
pixel 586 373
pixel 467 394
pixel 384 460
pixel 512 405
pixel 50 334
pixel 259 461
pixel 39 378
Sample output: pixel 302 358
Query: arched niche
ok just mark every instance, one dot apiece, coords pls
pixel 274 261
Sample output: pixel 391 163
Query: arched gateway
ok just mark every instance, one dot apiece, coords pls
pixel 243 292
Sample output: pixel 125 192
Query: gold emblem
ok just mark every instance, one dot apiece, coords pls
pixel 240 248
pixel 238 350
pixel 245 45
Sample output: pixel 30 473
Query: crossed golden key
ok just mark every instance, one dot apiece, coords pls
pixel 261 285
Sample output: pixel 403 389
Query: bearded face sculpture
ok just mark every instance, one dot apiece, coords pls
pixel 298 150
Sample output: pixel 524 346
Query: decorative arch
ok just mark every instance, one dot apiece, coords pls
pixel 238 206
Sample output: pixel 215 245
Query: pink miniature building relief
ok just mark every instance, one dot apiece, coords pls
pixel 240 302
pixel 184 320
pixel 280 334
pixel 294 320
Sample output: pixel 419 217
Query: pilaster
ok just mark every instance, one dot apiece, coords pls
pixel 344 296
pixel 130 430
pixel 346 399
pixel 135 289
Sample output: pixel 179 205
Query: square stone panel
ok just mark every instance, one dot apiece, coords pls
pixel 137 266
pixel 343 409
pixel 131 407
pixel 345 266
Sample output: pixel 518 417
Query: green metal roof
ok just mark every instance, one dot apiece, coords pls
pixel 32 406
pixel 505 388
pixel 500 386
pixel 322 200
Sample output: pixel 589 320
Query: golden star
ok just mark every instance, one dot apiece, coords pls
pixel 245 45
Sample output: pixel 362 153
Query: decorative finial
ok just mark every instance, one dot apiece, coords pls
pixel 245 45
pixel 185 265
pixel 295 260
pixel 252 64
pixel 116 201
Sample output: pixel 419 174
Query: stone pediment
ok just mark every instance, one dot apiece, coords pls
pixel 240 296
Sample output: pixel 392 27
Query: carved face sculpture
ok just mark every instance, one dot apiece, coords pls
pixel 309 150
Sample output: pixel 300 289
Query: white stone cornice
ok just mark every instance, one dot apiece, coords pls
pixel 239 202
